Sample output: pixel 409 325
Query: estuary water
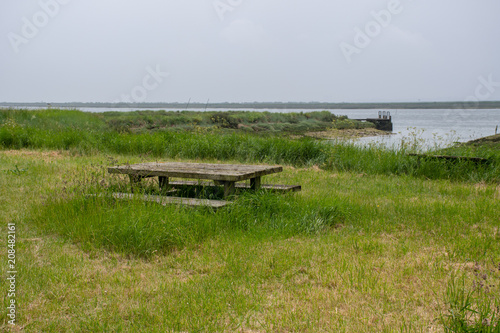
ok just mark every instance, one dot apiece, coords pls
pixel 433 128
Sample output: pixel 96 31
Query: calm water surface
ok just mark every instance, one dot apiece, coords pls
pixel 434 128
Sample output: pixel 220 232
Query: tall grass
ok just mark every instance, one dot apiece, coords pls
pixel 86 134
pixel 143 229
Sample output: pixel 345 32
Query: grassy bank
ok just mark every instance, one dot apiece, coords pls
pixel 488 147
pixel 84 133
pixel 248 121
pixel 152 121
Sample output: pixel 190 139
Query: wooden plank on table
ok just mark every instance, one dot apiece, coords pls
pixel 220 172
pixel 164 200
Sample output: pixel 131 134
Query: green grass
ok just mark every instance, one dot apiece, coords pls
pixel 488 147
pixel 133 228
pixel 376 240
pixel 351 252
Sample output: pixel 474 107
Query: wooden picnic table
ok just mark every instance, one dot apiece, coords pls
pixel 221 174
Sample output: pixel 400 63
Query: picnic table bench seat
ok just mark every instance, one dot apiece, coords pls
pixel 166 200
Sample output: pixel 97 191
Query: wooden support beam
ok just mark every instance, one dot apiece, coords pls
pixel 163 182
pixel 229 189
pixel 269 187
pixel 134 181
pixel 255 183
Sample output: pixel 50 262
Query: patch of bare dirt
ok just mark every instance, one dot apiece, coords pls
pixel 347 133
pixel 44 155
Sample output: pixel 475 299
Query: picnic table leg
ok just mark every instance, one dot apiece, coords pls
pixel 255 183
pixel 134 180
pixel 163 181
pixel 229 189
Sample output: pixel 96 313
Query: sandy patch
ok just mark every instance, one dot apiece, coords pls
pixel 347 133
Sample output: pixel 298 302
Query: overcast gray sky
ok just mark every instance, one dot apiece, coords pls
pixel 249 50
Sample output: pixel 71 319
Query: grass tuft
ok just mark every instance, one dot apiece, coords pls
pixel 471 309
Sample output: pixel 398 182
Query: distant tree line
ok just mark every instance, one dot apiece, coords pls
pixel 265 105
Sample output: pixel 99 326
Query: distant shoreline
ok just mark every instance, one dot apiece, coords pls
pixel 269 105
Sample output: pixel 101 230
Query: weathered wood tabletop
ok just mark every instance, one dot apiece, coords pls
pixel 226 174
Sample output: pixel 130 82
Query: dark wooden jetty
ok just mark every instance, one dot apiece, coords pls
pixel 383 122
pixel 478 160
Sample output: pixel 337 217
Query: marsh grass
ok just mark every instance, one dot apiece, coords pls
pixel 88 134
pixel 252 121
